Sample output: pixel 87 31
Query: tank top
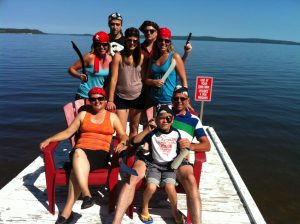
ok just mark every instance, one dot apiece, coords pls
pixel 95 79
pixel 163 95
pixel 95 136
pixel 129 84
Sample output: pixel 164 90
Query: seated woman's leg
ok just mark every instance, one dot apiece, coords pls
pixel 73 194
pixel 128 190
pixel 81 169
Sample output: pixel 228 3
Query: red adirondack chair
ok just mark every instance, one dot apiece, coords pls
pixel 60 177
pixel 200 158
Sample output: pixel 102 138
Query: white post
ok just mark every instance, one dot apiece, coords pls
pixel 201 111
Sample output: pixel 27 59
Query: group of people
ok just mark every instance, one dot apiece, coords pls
pixel 139 77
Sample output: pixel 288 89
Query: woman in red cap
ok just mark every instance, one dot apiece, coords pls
pixel 91 151
pixel 161 85
pixel 97 64
pixel 126 82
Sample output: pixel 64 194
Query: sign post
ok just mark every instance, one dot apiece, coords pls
pixel 203 91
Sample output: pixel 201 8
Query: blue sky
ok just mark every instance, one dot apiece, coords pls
pixel 278 19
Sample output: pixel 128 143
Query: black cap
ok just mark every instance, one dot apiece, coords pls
pixel 164 109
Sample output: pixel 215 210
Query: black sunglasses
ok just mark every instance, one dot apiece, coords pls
pixel 149 31
pixel 101 98
pixel 115 24
pixel 167 118
pixel 131 40
pixel 102 44
pixel 167 41
pixel 176 99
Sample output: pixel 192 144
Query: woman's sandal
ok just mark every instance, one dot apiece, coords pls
pixel 146 218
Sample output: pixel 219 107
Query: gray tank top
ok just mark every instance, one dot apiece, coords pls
pixel 129 84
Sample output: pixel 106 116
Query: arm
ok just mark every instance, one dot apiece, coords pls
pixel 113 81
pixel 123 137
pixel 73 70
pixel 202 146
pixel 65 134
pixel 180 69
pixel 187 50
pixel 139 137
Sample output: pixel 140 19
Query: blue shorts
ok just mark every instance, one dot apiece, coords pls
pixel 123 104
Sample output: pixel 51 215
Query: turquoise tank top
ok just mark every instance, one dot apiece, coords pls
pixel 94 80
pixel 164 94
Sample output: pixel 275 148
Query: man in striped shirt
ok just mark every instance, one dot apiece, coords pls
pixel 189 127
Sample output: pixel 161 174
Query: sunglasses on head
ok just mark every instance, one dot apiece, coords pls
pixel 131 40
pixel 167 41
pixel 151 31
pixel 93 99
pixel 167 118
pixel 116 16
pixel 182 99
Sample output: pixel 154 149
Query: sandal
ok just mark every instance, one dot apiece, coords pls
pixel 181 219
pixel 146 218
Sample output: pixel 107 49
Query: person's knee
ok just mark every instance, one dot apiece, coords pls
pixel 151 187
pixel 169 188
pixel 78 153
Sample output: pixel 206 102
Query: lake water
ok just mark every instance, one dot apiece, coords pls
pixel 255 108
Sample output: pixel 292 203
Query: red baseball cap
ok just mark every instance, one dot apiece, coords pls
pixel 97 90
pixel 101 37
pixel 164 33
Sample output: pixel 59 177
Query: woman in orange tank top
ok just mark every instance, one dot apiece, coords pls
pixel 91 150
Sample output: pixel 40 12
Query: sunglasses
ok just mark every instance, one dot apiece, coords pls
pixel 167 118
pixel 131 40
pixel 116 16
pixel 151 31
pixel 176 99
pixel 101 98
pixel 115 24
pixel 167 41
pixel 102 44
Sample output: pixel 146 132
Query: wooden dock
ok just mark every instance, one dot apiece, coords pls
pixel 225 198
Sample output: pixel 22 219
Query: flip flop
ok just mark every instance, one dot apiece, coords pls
pixel 146 218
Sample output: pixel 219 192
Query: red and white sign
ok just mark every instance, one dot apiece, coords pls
pixel 203 88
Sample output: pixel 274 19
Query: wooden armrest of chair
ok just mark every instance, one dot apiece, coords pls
pixel 48 152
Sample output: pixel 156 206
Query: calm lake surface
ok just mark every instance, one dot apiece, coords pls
pixel 255 108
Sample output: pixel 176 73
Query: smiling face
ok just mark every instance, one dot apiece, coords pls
pixel 164 121
pixel 97 101
pixel 102 48
pixel 132 42
pixel 180 102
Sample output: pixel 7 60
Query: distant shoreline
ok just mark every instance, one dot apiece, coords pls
pixel 197 38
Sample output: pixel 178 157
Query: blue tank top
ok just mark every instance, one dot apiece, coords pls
pixel 94 80
pixel 164 94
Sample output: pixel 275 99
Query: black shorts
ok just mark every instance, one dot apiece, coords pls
pixel 123 104
pixel 98 159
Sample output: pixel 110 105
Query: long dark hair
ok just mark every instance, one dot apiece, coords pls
pixel 133 32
